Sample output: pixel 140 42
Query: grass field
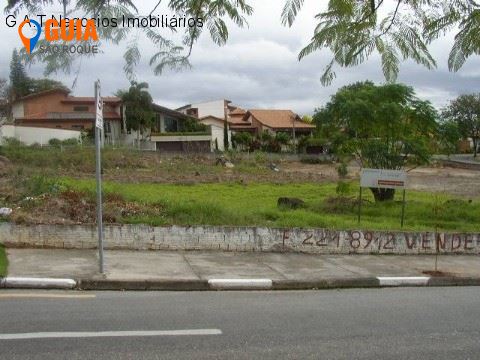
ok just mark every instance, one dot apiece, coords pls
pixel 3 261
pixel 256 204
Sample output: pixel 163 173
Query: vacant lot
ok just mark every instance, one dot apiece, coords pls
pixel 51 185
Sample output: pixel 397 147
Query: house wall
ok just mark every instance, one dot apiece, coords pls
pixel 32 135
pixel 47 103
pixel 184 146
pixel 18 110
pixel 214 108
pixel 73 124
pixel 217 138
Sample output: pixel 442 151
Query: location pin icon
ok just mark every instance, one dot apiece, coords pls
pixel 30 43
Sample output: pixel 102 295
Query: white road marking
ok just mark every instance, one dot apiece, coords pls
pixel 403 281
pixel 239 284
pixel 100 334
pixel 45 296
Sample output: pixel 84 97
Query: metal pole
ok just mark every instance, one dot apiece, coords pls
pixel 359 205
pixel 403 208
pixel 98 175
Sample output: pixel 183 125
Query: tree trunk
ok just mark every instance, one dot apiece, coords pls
pixel 383 194
pixel 475 141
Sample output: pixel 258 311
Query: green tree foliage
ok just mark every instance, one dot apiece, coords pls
pixel 465 112
pixel 448 137
pixel 138 107
pixel 169 52
pixel 397 30
pixel 307 119
pixel 3 98
pixel 38 85
pixel 19 81
pixel 226 142
pixel 21 84
pixel 385 127
pixel 242 140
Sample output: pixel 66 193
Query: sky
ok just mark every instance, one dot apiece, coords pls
pixel 258 68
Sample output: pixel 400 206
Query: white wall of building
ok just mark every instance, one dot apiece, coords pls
pixel 32 135
pixel 18 110
pixel 217 137
pixel 214 108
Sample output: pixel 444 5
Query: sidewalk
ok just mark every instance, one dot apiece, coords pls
pixel 193 270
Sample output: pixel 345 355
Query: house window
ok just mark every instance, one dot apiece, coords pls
pixel 108 127
pixel 171 124
pixel 80 108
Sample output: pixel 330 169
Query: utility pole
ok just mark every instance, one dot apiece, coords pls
pixel 98 171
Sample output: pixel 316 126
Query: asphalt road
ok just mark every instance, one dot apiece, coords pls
pixel 401 323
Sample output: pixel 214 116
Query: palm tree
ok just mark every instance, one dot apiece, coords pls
pixel 138 107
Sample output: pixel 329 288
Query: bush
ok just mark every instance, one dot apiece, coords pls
pixel 12 142
pixel 40 184
pixel 55 142
pixel 70 142
pixel 343 188
pixel 315 159
pixel 342 170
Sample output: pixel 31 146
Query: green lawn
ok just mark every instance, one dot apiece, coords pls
pixel 256 204
pixel 3 261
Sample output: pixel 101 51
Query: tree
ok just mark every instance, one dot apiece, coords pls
pixel 385 127
pixel 465 111
pixel 138 107
pixel 226 142
pixel 38 85
pixel 355 29
pixel 172 43
pixel 307 119
pixel 19 81
pixel 242 139
pixel 448 136
pixel 3 98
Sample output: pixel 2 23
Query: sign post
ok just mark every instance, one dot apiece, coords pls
pixel 383 179
pixel 98 171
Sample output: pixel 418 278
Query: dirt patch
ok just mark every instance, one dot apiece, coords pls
pixel 75 207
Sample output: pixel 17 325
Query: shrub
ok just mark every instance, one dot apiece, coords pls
pixel 40 184
pixel 342 170
pixel 12 142
pixel 70 142
pixel 55 142
pixel 343 188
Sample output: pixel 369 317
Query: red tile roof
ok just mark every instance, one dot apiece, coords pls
pixel 279 119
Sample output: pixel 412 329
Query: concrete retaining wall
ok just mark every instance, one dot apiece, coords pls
pixel 315 241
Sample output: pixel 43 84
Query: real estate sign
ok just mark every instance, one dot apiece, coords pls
pixel 383 179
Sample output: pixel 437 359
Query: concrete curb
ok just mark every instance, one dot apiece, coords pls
pixel 144 285
pixel 240 284
pixel 367 282
pixel 234 284
pixel 37 283
pixel 454 281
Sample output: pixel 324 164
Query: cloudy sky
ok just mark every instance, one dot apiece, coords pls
pixel 258 68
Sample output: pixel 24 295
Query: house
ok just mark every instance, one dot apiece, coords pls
pixel 273 121
pixel 212 113
pixel 174 131
pixel 56 109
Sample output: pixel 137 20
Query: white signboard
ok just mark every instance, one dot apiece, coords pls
pixel 98 107
pixel 383 179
